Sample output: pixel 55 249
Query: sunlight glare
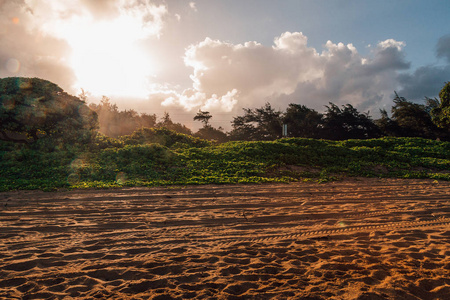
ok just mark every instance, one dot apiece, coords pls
pixel 107 59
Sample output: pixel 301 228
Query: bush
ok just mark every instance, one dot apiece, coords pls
pixel 112 163
pixel 162 136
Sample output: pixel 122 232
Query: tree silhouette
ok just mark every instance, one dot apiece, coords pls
pixel 302 121
pixel 203 116
pixel 413 120
pixel 347 123
pixel 387 126
pixel 257 124
pixel 207 132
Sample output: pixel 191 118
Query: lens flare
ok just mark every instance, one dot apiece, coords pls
pixel 73 179
pixel 121 177
pixel 12 65
pixel 15 20
pixel 76 164
pixel 9 104
pixel 24 84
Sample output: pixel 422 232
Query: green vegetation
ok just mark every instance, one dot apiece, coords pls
pixel 49 140
pixel 441 108
pixel 169 158
pixel 33 108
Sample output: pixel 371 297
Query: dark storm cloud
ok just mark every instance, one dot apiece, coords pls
pixel 443 47
pixel 424 82
pixel 427 81
pixel 387 57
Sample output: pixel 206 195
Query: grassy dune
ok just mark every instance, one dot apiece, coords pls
pixel 161 157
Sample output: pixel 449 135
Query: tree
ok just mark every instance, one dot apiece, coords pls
pixel 441 112
pixel 413 119
pixel 207 132
pixel 302 121
pixel 387 126
pixel 347 123
pixel 34 108
pixel 115 123
pixel 147 120
pixel 167 123
pixel 212 134
pixel 257 124
pixel 203 116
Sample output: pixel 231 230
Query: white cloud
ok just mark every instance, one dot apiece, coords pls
pixel 139 18
pixel 225 103
pixel 291 42
pixel 251 68
pixel 191 99
pixel 46 38
pixel 291 71
pixel 391 43
pixel 27 51
pixel 193 6
pixel 37 39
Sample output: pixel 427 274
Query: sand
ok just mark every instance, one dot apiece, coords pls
pixel 352 239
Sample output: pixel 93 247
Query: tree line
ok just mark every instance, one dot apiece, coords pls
pixel 430 120
pixel 33 108
pixel 408 119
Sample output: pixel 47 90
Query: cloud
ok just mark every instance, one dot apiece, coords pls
pixel 145 17
pixel 426 81
pixel 151 15
pixel 193 6
pixel 192 99
pixel 252 69
pixel 225 103
pixel 443 47
pixel 291 71
pixel 41 38
pixel 25 51
pixel 226 76
pixel 388 55
pixel 101 8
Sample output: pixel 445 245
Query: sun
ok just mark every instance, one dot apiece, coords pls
pixel 107 57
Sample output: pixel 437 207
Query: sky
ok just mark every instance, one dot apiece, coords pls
pixel 181 56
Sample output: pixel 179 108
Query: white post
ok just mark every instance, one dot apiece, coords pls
pixel 285 133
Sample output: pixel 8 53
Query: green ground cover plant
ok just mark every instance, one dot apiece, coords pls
pixel 158 157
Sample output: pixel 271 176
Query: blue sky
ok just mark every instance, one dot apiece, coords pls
pixel 181 56
pixel 418 23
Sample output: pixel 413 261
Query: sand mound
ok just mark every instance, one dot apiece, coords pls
pixel 355 239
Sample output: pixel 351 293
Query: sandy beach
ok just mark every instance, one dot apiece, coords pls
pixel 352 239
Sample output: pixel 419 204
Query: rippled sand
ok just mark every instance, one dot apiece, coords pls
pixel 354 239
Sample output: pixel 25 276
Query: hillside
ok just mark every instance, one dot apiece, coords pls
pixel 161 157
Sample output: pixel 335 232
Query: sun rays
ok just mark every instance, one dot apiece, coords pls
pixel 108 60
